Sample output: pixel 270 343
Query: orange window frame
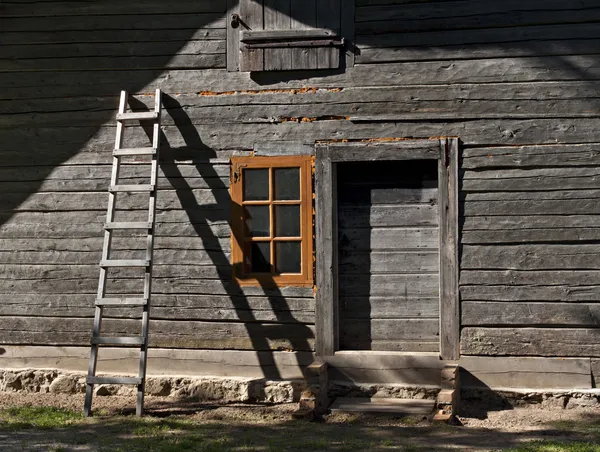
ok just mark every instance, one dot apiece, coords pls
pixel 239 239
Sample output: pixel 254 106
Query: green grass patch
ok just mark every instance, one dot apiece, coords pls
pixel 38 417
pixel 553 446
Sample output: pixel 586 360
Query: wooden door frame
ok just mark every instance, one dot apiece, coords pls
pixel 328 155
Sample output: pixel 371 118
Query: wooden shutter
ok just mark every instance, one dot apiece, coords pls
pixel 275 35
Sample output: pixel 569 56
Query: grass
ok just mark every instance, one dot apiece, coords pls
pixel 554 446
pixel 37 417
pixel 60 430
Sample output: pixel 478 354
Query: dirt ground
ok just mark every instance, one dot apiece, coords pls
pixel 244 427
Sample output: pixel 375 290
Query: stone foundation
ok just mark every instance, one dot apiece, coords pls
pixel 501 399
pixel 202 388
pixel 230 389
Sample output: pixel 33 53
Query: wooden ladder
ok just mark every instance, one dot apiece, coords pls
pixel 104 301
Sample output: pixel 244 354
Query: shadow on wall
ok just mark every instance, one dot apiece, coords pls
pixel 261 335
pixel 62 65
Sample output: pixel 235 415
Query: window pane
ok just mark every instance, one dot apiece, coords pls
pixel 257 221
pixel 287 184
pixel 287 221
pixel 288 257
pixel 259 255
pixel 256 184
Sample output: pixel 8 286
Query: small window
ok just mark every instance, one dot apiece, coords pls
pixel 271 224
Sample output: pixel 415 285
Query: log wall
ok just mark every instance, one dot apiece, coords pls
pixel 517 81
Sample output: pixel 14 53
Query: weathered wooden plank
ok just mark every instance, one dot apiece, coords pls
pixel 595 364
pixel 303 17
pixel 567 206
pixel 94 185
pixel 268 364
pixel 388 261
pixel 531 235
pixel 187 20
pixel 102 172
pixel 421 17
pixel 459 99
pixel 389 238
pixel 530 257
pixel 49 271
pixel 448 242
pixel 70 201
pixel 166 256
pixel 509 222
pixel 112 50
pixel 532 195
pixel 118 243
pixel 276 16
pixel 529 314
pixel 525 372
pixel 372 151
pixel 90 224
pixel 500 71
pixel 386 367
pixel 531 341
pixel 531 179
pixel 410 285
pixel 111 7
pixel 183 307
pixel 566 293
pixel 385 215
pixel 534 38
pixel 238 137
pixel 128 35
pixel 327 333
pixel 189 334
pixel 390 334
pixel 396 307
pixel 485 49
pixel 531 156
pixel 540 278
pixel 361 196
pixel 252 14
pixel 201 60
pixel 329 18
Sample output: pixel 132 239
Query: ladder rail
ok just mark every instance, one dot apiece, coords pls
pixel 106 262
pixel 149 256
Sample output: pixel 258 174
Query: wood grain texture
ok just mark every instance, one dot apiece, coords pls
pixel 564 342
pixel 189 334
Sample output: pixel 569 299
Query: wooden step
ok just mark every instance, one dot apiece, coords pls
pixel 124 341
pixel 381 405
pixel 125 302
pixel 127 225
pixel 138 116
pixel 138 188
pixel 125 263
pixel 126 152
pixel 114 380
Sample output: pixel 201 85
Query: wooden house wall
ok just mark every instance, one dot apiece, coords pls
pixel 517 81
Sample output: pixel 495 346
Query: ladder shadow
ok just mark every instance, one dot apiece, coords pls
pixel 259 333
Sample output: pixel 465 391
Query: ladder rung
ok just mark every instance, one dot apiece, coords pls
pixel 106 340
pixel 139 188
pixel 125 263
pixel 134 151
pixel 117 302
pixel 114 380
pixel 138 116
pixel 128 225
